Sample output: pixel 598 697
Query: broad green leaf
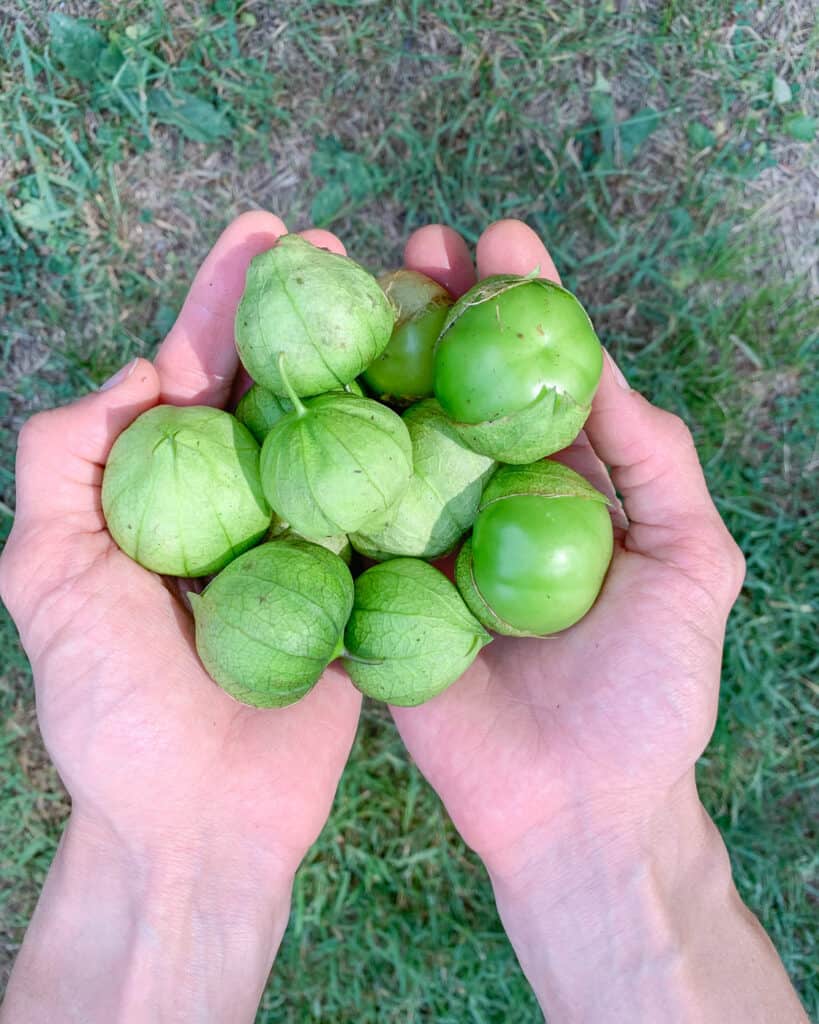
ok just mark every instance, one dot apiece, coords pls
pixel 801 127
pixel 700 136
pixel 194 117
pixel 76 45
pixel 35 215
pixel 327 202
pixel 634 131
pixel 347 176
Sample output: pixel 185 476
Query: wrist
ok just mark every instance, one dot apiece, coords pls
pixel 607 900
pixel 630 914
pixel 183 929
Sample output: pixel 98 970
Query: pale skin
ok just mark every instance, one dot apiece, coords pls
pixel 567 764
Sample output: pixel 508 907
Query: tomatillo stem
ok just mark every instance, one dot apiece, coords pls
pixel 361 661
pixel 298 405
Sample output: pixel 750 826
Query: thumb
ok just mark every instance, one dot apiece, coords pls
pixel 655 467
pixel 61 453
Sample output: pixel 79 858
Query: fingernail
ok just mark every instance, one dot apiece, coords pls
pixel 120 376
pixel 617 373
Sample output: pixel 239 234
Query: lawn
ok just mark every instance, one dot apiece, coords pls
pixel 663 150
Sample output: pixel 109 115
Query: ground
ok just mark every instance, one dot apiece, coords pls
pixel 665 151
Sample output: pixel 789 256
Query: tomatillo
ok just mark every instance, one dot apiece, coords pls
pixel 181 492
pixel 539 550
pixel 516 367
pixel 336 464
pixel 269 624
pixel 441 502
pixel 402 374
pixel 324 311
pixel 260 409
pixel 409 635
pixel 338 543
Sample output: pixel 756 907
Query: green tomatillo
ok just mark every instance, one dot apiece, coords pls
pixel 260 409
pixel 326 313
pixel 402 374
pixel 181 491
pixel 338 543
pixel 516 367
pixel 409 635
pixel 269 624
pixel 539 550
pixel 441 502
pixel 336 463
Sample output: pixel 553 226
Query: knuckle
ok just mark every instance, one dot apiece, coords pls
pixel 8 576
pixel 4 579
pixel 677 431
pixel 36 430
pixel 728 561
pixel 736 558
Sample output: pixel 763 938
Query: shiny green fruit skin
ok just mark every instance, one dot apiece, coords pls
pixel 269 624
pixel 411 630
pixel 516 367
pixel 402 374
pixel 536 561
pixel 323 311
pixel 181 491
pixel 260 410
pixel 338 466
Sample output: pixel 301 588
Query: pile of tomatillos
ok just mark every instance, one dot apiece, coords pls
pixel 385 422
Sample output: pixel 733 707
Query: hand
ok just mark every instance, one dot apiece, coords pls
pixel 567 763
pixel 614 711
pixel 168 775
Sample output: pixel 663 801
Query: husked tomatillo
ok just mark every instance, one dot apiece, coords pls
pixel 539 550
pixel 516 367
pixel 441 502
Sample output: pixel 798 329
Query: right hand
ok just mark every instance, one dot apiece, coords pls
pixel 602 721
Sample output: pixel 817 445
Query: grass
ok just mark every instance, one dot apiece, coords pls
pixel 664 152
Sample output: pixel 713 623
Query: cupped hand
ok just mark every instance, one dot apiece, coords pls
pixel 149 748
pixel 599 723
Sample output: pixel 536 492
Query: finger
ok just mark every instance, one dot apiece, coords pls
pixel 322 239
pixel 582 458
pixel 242 383
pixel 197 362
pixel 61 453
pixel 439 252
pixel 512 247
pixel 655 467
